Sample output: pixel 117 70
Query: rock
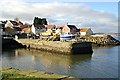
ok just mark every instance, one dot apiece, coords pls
pixel 100 40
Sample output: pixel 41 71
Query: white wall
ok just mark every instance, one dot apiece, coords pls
pixel 87 32
pixel 33 29
pixel 82 33
pixel 9 24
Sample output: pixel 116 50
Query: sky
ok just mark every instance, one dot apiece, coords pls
pixel 100 16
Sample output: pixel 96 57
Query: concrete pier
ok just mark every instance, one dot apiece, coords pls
pixel 58 46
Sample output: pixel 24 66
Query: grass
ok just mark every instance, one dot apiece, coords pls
pixel 15 76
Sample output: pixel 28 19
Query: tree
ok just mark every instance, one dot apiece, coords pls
pixel 35 21
pixel 44 22
pixel 39 21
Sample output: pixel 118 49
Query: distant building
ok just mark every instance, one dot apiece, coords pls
pixel 40 28
pixel 59 30
pixel 12 27
pixel 26 30
pixel 86 31
pixel 70 29
pixel 50 27
pixel 60 27
pixel 33 30
pixel 9 24
pixel 18 21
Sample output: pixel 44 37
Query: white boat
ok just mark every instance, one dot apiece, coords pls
pixel 66 36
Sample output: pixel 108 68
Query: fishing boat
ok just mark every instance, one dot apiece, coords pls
pixel 66 36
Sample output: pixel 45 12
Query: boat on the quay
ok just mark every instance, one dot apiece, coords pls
pixel 66 36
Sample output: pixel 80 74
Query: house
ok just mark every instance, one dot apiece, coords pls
pixel 40 28
pixel 10 31
pixel 33 30
pixel 86 31
pixel 17 21
pixel 59 30
pixel 9 24
pixel 26 30
pixel 70 29
pixel 17 30
pixel 50 27
pixel 12 27
pixel 8 28
pixel 60 27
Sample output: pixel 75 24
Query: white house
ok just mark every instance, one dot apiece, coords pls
pixel 33 29
pixel 9 24
pixel 50 27
pixel 86 31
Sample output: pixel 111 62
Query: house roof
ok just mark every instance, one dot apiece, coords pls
pixel 72 27
pixel 8 24
pixel 11 23
pixel 60 27
pixel 14 22
pixel 17 29
pixel 50 26
pixel 25 29
pixel 84 29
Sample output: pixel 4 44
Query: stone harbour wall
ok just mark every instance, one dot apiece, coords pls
pixel 51 46
pixel 57 46
pixel 99 39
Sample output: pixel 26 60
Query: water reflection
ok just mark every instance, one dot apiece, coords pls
pixel 50 62
pixel 103 63
pixel 103 47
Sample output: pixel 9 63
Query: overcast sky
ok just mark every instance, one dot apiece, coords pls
pixel 99 16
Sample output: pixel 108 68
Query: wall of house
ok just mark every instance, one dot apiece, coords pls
pixel 73 31
pixel 58 31
pixel 87 32
pixel 65 29
pixel 33 29
pixel 9 24
pixel 82 33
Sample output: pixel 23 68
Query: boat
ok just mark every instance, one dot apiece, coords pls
pixel 66 36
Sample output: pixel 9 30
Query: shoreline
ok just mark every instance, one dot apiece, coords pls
pixel 10 73
pixel 83 44
pixel 99 40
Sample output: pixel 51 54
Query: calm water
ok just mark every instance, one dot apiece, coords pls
pixel 103 63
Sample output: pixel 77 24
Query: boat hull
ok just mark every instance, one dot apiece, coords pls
pixel 68 37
